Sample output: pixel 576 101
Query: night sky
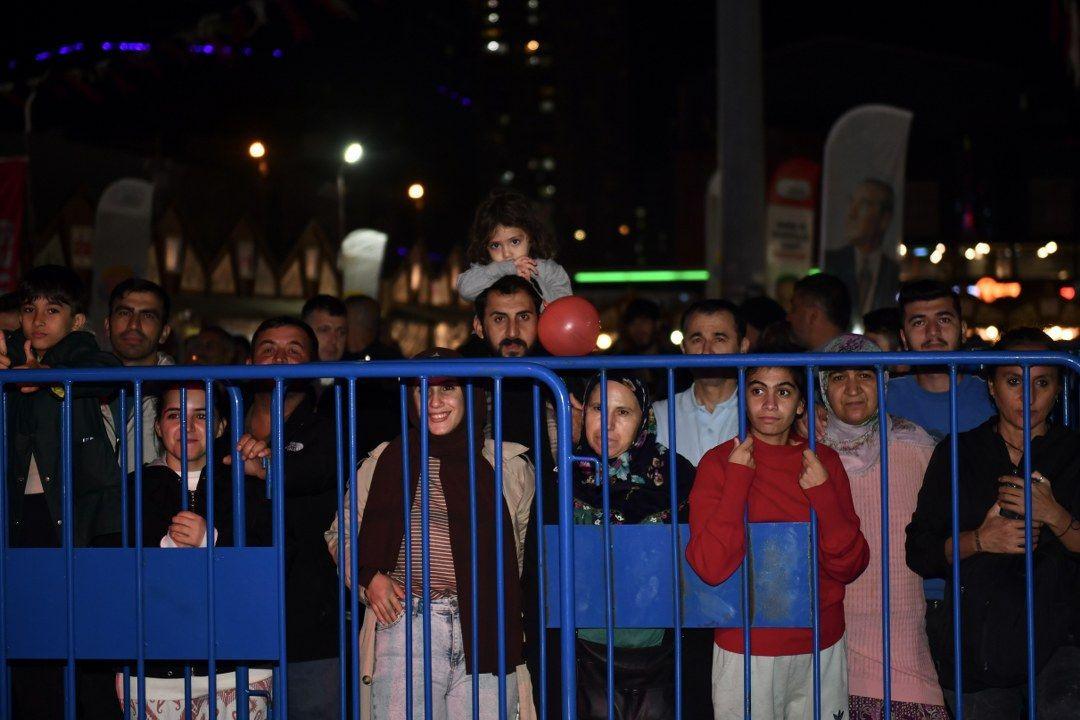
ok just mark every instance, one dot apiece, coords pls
pixel 629 130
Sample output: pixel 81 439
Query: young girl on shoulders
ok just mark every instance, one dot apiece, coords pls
pixel 509 238
pixel 778 478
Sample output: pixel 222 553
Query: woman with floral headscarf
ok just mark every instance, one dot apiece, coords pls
pixel 639 476
pixel 854 432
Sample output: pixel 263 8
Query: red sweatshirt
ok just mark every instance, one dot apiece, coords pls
pixel 716 547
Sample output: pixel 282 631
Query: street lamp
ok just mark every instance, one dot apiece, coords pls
pixel 416 191
pixel 351 155
pixel 257 150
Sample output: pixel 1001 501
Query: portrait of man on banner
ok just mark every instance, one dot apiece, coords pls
pixel 865 262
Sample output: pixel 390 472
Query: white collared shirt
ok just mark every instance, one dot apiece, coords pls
pixel 696 429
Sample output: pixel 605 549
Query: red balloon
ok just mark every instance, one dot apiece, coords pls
pixel 569 326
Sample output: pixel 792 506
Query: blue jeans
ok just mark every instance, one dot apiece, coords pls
pixel 451 684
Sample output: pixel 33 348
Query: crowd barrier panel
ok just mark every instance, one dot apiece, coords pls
pixel 114 603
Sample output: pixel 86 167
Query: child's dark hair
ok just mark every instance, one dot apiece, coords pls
pixel 509 209
pixel 56 284
pixel 217 396
pixel 798 374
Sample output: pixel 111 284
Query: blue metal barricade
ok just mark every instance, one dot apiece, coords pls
pixel 124 605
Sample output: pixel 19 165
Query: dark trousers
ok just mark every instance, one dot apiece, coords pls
pixel 1057 693
pixel 644 687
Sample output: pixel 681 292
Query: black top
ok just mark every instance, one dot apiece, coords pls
pixel 993 632
pixel 311 608
pixel 34 429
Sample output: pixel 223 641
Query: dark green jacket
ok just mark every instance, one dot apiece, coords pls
pixel 34 429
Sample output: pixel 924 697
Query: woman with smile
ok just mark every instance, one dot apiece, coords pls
pixel 381 560
pixel 850 396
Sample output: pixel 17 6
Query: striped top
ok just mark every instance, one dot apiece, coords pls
pixel 443 581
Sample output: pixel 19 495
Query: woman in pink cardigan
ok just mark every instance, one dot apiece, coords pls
pixel 853 431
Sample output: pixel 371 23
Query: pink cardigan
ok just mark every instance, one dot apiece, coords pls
pixel 913 676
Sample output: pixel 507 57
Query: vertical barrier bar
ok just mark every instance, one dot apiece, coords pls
pixel 122 440
pixel 541 573
pixel 140 594
pixel 566 567
pixel 425 540
pixel 354 561
pixel 1066 401
pixel 188 703
pixel 68 543
pixel 236 424
pixel 500 579
pixel 811 408
pixel 343 627
pixel 1029 570
pixel 211 663
pixel 746 553
pixel 954 423
pixel 277 478
pixel 5 670
pixel 473 611
pixel 406 477
pixel 886 623
pixel 609 580
pixel 676 560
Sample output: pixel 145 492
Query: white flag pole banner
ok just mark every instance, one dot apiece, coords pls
pixel 361 262
pixel 862 202
pixel 121 241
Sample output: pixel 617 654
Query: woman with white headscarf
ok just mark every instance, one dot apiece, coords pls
pixel 853 431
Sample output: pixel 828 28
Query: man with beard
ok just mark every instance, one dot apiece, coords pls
pixel 932 322
pixel 506 319
pixel 311 617
pixel 706 413
pixel 137 327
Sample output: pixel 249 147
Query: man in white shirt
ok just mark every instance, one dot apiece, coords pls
pixel 707 413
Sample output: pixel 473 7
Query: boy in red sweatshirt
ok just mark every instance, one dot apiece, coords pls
pixel 780 479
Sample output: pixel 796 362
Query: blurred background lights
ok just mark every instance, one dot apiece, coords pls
pixel 982 248
pixel 579 234
pixel 532 46
pixel 676 337
pixel 603 341
pixel 257 150
pixel 416 191
pixel 353 153
pixel 624 229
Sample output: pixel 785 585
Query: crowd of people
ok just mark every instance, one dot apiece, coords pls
pixel 698 470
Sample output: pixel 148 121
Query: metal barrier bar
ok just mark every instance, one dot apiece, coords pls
pixel 277 474
pixel 68 543
pixel 541 569
pixel 676 579
pixel 473 582
pixel 500 579
pixel 886 624
pixel 239 497
pixel 566 570
pixel 814 552
pixel 425 541
pixel 1029 569
pixel 354 597
pixel 746 609
pixel 339 471
pixel 407 542
pixel 954 423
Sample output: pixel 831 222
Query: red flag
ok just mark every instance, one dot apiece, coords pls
pixel 12 207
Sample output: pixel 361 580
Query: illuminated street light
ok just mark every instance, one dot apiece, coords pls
pixel 350 156
pixel 579 235
pixel 676 337
pixel 532 46
pixel 257 150
pixel 353 153
pixel 603 341
pixel 416 191
pixel 982 248
pixel 624 229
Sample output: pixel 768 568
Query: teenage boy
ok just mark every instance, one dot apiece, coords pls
pixel 52 317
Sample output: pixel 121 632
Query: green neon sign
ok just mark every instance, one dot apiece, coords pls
pixel 624 276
